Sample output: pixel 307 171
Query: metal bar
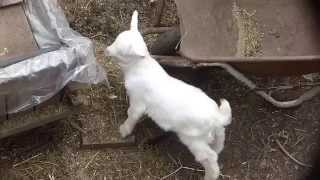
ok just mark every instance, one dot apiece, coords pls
pixel 280 104
pixel 243 59
pixel 181 62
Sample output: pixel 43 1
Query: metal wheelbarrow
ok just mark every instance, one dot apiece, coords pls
pixel 258 37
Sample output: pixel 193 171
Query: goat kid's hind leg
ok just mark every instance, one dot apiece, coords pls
pixel 135 113
pixel 204 155
pixel 219 138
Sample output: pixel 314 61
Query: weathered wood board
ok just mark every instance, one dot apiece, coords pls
pixel 25 121
pixel 16 36
pixel 52 110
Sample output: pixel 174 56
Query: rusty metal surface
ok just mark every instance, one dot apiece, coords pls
pixel 280 68
pixel 289 28
pixel 268 66
pixel 4 3
pixel 207 28
pixel 16 36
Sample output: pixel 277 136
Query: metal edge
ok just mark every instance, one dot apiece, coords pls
pixel 227 59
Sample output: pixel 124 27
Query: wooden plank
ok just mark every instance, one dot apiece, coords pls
pixel 3 112
pixel 16 35
pixel 119 143
pixel 25 121
pixel 100 133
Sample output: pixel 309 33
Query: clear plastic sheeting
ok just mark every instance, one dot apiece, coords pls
pixel 34 80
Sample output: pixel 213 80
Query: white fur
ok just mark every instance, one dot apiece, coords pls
pixel 174 105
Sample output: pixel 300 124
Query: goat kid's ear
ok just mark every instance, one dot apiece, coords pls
pixel 134 21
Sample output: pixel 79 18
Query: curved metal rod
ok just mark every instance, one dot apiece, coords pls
pixel 280 104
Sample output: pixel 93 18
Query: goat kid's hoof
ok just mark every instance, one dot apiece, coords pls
pixel 124 130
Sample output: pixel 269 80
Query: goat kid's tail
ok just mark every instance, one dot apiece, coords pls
pixel 225 111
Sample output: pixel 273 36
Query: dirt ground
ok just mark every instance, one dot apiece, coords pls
pixel 251 151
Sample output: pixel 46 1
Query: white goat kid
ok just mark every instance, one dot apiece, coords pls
pixel 172 104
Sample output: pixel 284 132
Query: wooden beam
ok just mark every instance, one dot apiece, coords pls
pixel 16 125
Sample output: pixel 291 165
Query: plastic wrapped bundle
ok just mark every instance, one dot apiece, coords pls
pixel 63 57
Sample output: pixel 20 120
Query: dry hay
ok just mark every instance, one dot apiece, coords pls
pixel 249 37
pixel 102 20
pixel 106 106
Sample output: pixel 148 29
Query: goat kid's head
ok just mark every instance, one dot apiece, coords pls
pixel 129 45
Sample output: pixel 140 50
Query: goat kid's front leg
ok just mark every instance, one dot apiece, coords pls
pixel 135 113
